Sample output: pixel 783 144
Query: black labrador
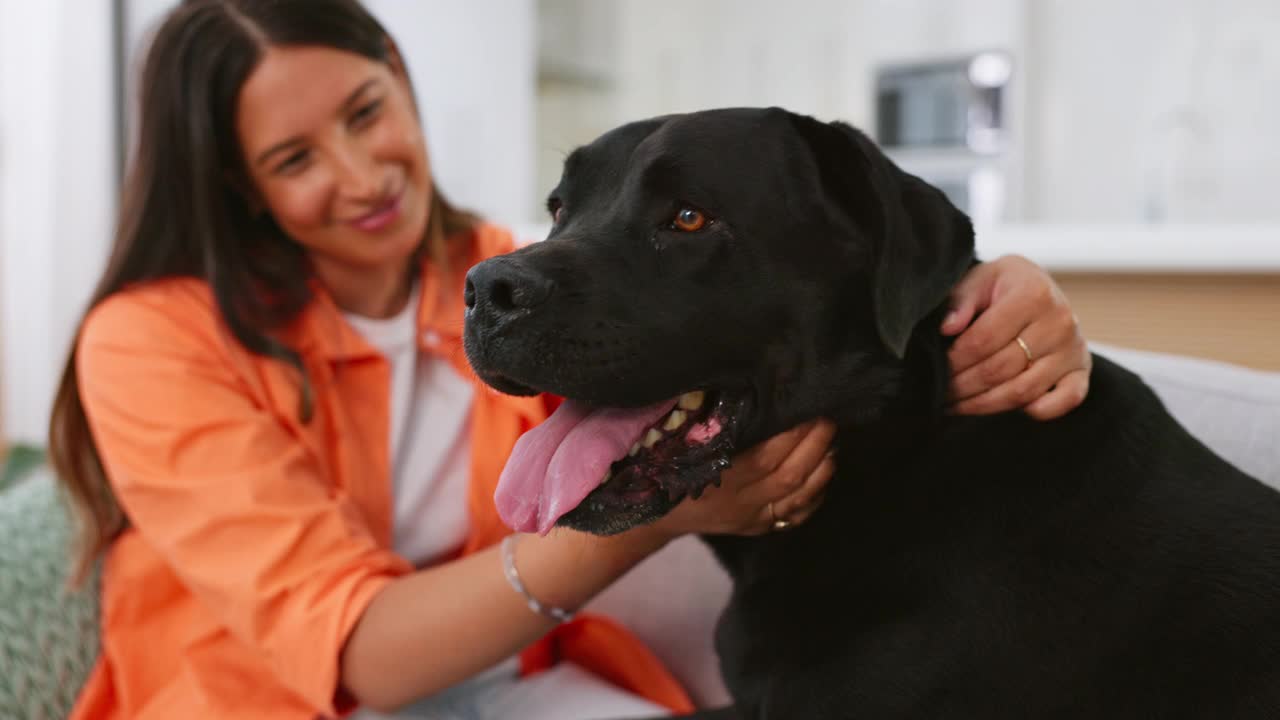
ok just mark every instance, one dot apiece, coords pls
pixel 717 277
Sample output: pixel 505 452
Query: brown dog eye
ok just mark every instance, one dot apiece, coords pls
pixel 689 220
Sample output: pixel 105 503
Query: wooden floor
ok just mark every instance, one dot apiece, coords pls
pixel 1233 318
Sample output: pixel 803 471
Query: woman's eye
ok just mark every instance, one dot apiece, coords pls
pixel 689 220
pixel 292 163
pixel 366 112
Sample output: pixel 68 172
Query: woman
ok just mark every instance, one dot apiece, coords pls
pixel 276 444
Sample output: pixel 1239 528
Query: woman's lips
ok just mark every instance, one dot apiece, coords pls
pixel 381 217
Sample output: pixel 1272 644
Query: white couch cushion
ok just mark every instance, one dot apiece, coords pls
pixel 1233 410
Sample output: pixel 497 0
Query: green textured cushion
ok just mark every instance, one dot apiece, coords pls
pixel 48 634
pixel 18 463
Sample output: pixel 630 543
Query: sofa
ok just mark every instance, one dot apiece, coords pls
pixel 48 635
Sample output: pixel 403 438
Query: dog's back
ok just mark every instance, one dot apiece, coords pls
pixel 1103 565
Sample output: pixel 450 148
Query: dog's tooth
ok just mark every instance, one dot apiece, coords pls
pixel 651 438
pixel 608 475
pixel 692 400
pixel 675 420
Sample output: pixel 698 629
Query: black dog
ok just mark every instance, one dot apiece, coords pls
pixel 759 268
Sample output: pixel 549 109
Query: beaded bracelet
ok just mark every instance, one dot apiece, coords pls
pixel 513 577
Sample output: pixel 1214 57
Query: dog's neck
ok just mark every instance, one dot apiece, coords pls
pixel 866 393
pixel 884 407
pixel 924 375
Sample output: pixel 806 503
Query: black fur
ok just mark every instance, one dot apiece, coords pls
pixel 1104 565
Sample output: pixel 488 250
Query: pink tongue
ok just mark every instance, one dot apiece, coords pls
pixel 557 464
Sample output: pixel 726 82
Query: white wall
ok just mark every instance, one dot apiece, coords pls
pixel 666 56
pixel 1138 111
pixel 1133 111
pixel 1155 110
pixel 473 65
pixel 57 191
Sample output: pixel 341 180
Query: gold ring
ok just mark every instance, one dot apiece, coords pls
pixel 777 524
pixel 1025 350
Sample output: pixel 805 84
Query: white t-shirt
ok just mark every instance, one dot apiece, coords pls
pixel 430 446
pixel 430 470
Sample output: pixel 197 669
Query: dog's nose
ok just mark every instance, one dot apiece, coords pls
pixel 501 287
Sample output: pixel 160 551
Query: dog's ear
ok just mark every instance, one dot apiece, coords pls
pixel 921 244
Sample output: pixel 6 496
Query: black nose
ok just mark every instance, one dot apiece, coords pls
pixel 499 288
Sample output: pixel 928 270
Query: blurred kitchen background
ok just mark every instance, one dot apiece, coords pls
pixel 1131 146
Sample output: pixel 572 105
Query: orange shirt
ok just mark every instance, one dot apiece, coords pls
pixel 257 541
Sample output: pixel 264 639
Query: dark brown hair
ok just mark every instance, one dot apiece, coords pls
pixel 184 212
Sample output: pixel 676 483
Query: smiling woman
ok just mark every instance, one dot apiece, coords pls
pixel 325 166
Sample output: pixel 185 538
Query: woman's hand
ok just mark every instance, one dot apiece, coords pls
pixel 1023 350
pixel 774 485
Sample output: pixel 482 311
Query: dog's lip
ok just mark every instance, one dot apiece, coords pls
pixel 505 384
pixel 721 413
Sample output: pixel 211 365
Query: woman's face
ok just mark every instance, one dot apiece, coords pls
pixel 335 152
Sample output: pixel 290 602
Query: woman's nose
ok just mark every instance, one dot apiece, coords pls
pixel 357 174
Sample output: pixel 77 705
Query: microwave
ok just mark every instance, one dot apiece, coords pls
pixel 947 121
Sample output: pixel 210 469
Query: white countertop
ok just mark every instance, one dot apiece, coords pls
pixel 1117 248
pixel 1138 248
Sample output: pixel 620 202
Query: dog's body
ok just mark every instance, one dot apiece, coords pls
pixel 1104 565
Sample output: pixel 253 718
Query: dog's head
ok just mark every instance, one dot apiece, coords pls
pixel 710 279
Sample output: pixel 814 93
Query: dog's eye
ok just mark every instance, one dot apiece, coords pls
pixel 689 220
